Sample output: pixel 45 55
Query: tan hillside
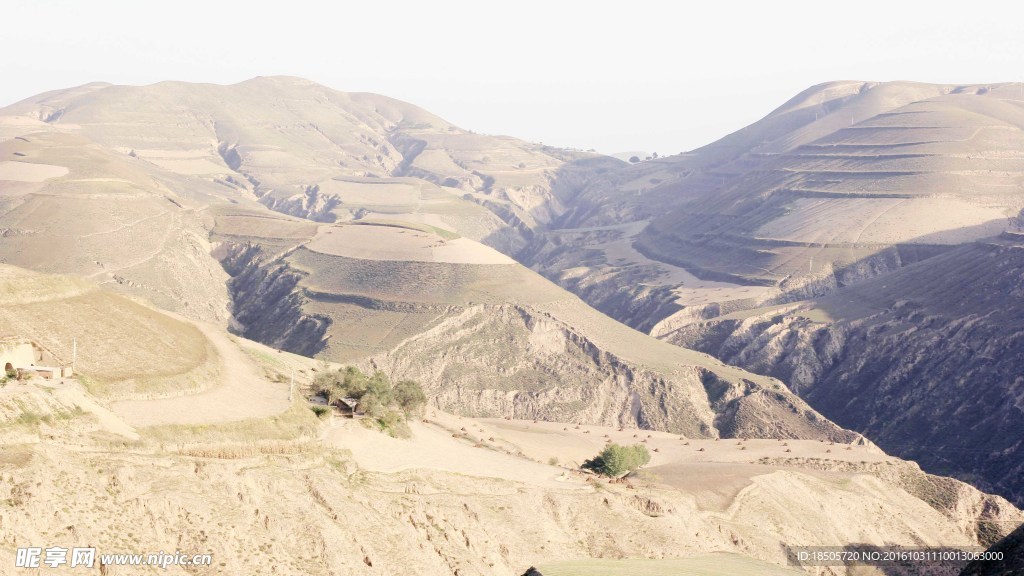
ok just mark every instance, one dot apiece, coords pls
pixel 220 246
pixel 484 334
pixel 124 348
pixel 334 497
pixel 929 165
pixel 307 150
pixel 108 218
pixel 844 180
pixel 462 495
pixel 860 243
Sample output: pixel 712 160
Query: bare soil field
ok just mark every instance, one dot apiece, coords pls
pixel 30 172
pixel 393 243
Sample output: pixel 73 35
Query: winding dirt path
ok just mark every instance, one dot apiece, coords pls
pixel 242 393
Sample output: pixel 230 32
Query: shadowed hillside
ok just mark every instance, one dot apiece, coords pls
pixel 925 360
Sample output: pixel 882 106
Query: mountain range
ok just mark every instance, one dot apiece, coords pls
pixel 835 283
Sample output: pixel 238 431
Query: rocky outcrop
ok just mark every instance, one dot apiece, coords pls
pixel 982 517
pixel 310 204
pixel 511 360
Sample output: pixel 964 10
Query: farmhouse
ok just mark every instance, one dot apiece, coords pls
pixel 21 354
pixel 347 406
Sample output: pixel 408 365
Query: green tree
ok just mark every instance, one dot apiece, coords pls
pixel 409 396
pixel 616 460
pixel 380 386
pixel 353 382
pixel 389 406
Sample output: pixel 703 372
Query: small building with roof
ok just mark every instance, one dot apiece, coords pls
pixel 20 355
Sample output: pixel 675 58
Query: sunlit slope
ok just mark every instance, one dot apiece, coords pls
pixel 335 497
pixel 120 184
pixel 943 168
pixel 70 206
pixel 308 150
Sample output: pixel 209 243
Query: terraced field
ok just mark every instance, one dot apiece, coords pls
pixel 945 168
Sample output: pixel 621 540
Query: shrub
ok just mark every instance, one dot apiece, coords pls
pixel 11 373
pixel 320 410
pixel 616 460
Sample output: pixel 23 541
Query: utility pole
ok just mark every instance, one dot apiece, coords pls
pixel 291 385
pixel 74 355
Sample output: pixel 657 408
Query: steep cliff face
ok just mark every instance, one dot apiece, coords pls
pixel 925 361
pixel 266 305
pixel 509 360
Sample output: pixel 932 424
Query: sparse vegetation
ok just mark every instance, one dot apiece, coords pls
pixel 616 460
pixel 320 411
pixel 389 406
pixel 295 423
pixel 31 418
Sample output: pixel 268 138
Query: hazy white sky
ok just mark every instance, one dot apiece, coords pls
pixel 615 76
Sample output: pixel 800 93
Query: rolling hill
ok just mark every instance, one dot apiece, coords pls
pixel 485 335
pixel 846 180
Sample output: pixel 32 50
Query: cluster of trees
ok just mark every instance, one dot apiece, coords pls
pixel 390 405
pixel 635 159
pixel 616 460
